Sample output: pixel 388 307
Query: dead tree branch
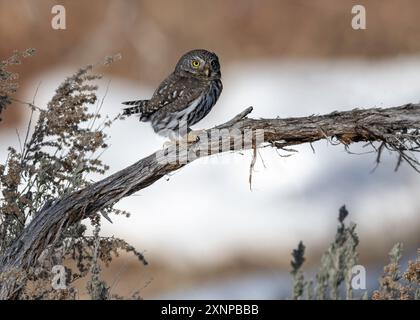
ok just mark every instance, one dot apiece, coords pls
pixel 396 128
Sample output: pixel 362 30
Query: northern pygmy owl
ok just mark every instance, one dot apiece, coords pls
pixel 184 98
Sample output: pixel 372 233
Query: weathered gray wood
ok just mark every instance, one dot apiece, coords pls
pixel 350 126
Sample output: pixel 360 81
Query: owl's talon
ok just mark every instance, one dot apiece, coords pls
pixel 189 138
pixel 169 143
pixel 193 136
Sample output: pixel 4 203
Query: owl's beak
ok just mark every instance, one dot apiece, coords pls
pixel 206 71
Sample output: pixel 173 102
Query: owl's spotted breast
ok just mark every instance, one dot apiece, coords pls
pixel 206 103
pixel 171 120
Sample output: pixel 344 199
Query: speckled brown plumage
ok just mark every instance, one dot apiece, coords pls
pixel 185 97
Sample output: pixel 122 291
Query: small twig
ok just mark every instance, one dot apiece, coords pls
pixel 236 118
pixel 262 159
pixel 347 148
pixel 312 147
pixel 20 142
pixel 24 152
pixel 100 105
pixel 251 167
pixel 118 275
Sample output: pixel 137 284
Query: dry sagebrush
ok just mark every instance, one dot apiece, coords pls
pixel 395 284
pixel 8 79
pixel 54 159
pixel 336 265
pixel 335 273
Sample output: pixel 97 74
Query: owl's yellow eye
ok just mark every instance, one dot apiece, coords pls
pixel 195 63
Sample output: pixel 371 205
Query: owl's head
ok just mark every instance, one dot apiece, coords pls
pixel 199 63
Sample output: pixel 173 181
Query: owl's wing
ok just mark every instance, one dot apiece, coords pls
pixel 175 94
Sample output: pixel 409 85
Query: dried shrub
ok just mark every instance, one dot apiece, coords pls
pixel 395 284
pixel 336 265
pixel 336 268
pixel 298 277
pixel 8 80
pixel 55 159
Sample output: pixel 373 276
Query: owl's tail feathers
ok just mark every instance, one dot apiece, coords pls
pixel 137 107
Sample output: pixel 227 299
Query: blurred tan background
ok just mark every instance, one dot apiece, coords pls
pixel 152 34
pixel 300 48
